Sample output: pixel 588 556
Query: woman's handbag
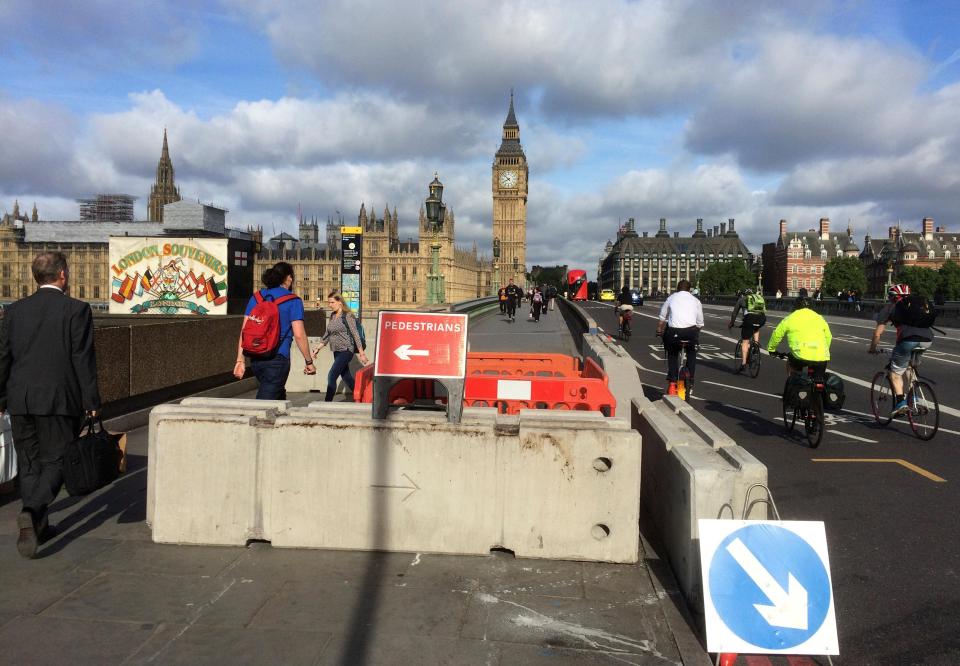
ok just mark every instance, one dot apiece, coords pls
pixel 92 460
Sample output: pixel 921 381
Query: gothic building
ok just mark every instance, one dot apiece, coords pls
pixel 164 190
pixel 510 184
pixel 883 258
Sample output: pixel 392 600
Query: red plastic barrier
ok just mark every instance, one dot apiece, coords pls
pixel 511 382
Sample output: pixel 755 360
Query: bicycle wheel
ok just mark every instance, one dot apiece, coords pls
pixel 736 356
pixel 924 413
pixel 753 360
pixel 626 331
pixel 813 421
pixel 881 398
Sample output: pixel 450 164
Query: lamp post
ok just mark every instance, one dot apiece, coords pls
pixel 496 266
pixel 436 212
pixel 889 273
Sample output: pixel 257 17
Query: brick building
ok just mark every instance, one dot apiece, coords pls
pixel 797 259
pixel 883 258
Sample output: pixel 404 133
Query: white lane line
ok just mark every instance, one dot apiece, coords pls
pixel 859 439
pixel 738 388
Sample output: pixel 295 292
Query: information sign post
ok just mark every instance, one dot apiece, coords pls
pixel 422 345
pixel 351 254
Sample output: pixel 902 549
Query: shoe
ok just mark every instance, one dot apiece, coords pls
pixel 689 388
pixel 672 388
pixel 27 540
pixel 899 409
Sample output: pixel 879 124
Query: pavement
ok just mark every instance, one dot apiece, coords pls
pixel 885 496
pixel 101 592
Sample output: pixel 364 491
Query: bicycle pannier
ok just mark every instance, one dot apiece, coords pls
pixel 833 394
pixel 798 390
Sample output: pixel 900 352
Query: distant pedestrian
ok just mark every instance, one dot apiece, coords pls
pixel 502 297
pixel 272 367
pixel 779 299
pixel 48 381
pixel 551 297
pixel 537 303
pixel 343 337
pixel 514 296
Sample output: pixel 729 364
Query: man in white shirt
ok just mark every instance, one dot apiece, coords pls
pixel 681 318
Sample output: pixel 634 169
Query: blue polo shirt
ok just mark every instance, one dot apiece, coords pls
pixel 290 312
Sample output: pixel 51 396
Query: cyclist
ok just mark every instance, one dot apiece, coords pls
pixel 624 304
pixel 681 318
pixel 913 332
pixel 754 317
pixel 808 336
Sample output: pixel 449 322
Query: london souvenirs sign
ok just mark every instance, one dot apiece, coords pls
pixel 168 275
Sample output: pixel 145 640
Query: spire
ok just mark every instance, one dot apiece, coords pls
pixel 165 153
pixel 34 216
pixel 511 120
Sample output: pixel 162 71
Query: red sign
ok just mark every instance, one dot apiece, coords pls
pixel 421 344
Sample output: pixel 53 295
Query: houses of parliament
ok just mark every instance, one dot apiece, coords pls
pixel 393 271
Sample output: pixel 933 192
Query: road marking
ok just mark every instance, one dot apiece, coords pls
pixel 738 388
pixel 856 437
pixel 899 461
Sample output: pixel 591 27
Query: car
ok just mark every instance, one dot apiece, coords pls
pixel 607 295
pixel 636 297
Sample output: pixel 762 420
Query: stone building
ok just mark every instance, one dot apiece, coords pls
pixel 654 264
pixel 510 183
pixel 883 258
pixel 797 258
pixel 394 272
pixel 164 190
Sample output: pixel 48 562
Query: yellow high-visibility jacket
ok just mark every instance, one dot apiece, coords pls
pixel 807 334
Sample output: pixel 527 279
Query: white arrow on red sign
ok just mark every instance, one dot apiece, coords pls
pixel 405 353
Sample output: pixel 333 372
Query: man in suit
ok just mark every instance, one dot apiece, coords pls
pixel 48 380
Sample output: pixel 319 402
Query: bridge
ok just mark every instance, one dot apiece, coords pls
pixel 622 589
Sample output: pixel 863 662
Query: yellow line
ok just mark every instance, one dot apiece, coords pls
pixel 913 468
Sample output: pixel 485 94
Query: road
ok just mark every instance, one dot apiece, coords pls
pixel 889 500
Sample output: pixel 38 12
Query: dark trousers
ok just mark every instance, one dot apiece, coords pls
pixel 40 442
pixel 272 375
pixel 503 306
pixel 511 307
pixel 340 368
pixel 672 337
pixel 536 310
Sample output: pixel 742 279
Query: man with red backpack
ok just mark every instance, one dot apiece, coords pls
pixel 274 319
pixel 914 319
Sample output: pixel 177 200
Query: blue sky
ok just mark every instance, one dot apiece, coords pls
pixel 645 109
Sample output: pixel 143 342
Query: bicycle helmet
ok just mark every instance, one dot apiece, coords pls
pixel 802 302
pixel 898 290
pixel 748 291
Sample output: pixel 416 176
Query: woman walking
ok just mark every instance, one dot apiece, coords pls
pixel 343 338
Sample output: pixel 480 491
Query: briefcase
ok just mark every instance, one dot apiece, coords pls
pixel 92 460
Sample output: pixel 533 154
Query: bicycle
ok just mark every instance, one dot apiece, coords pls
pixel 923 409
pixel 808 407
pixel 753 357
pixel 683 375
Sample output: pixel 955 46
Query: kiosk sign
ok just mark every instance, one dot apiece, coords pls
pixel 351 254
pixel 766 587
pixel 421 344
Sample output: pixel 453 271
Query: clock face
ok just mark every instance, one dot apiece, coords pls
pixel 508 179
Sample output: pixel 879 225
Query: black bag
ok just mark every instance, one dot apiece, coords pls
pixel 914 311
pixel 92 460
pixel 833 393
pixel 798 390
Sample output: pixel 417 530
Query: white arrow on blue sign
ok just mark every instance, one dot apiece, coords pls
pixel 767 587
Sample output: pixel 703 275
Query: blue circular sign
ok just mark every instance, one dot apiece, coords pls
pixel 769 586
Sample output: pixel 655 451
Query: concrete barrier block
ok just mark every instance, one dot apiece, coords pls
pixel 205 470
pixel 585 484
pixel 407 484
pixel 233 404
pixel 200 408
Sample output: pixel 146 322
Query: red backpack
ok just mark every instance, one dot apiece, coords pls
pixel 261 332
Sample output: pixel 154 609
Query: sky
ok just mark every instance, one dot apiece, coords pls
pixel 756 111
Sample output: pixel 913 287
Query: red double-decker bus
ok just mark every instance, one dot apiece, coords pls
pixel 577 285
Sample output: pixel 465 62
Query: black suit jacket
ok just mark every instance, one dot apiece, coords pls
pixel 47 363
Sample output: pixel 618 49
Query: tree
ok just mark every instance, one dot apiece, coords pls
pixel 725 277
pixel 843 274
pixel 923 281
pixel 950 280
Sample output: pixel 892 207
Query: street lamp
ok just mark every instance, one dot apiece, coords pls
pixel 496 266
pixel 436 213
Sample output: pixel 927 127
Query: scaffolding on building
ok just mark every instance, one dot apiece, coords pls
pixel 107 208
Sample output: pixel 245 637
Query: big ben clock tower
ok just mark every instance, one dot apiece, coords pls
pixel 510 178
